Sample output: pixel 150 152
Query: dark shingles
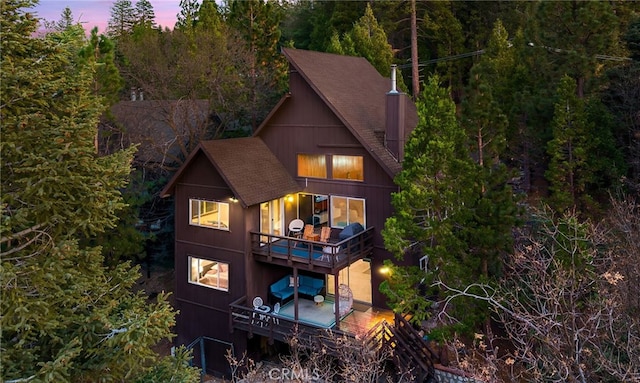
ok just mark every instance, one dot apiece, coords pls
pixel 355 91
pixel 250 169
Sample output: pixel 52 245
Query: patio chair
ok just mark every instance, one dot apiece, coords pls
pixel 295 228
pixel 308 232
pixel 276 311
pixel 325 233
pixel 262 309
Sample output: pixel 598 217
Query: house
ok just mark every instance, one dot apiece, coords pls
pixel 326 154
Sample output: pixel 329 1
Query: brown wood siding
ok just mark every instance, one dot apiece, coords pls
pixel 306 125
pixel 195 321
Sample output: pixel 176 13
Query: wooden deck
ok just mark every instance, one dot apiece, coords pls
pixel 278 327
pixel 321 257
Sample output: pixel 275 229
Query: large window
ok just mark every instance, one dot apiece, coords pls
pixel 209 273
pixel 345 210
pixel 209 214
pixel 347 168
pixel 312 165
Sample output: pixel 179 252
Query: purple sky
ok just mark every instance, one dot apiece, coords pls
pixel 92 13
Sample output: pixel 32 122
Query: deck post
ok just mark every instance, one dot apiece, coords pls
pixel 295 293
pixel 336 289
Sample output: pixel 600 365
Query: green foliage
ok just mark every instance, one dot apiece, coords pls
pixel 65 317
pixel 436 184
pixel 144 14
pixel 258 24
pixel 100 52
pixel 406 289
pixel 494 211
pixel 568 150
pixel 366 39
pixel 188 15
pixel 66 20
pixel 122 20
pixel 175 369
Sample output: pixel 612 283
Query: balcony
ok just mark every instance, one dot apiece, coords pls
pixel 383 328
pixel 321 257
pixel 281 326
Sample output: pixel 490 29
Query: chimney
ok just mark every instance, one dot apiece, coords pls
pixel 140 94
pixel 395 119
pixel 133 94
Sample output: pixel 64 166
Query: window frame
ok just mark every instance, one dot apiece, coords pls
pixel 318 157
pixel 200 269
pixel 332 209
pixel 218 209
pixel 347 159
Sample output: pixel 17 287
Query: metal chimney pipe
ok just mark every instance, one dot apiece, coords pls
pixel 393 79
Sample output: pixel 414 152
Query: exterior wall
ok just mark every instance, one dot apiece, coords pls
pixel 204 310
pixel 305 124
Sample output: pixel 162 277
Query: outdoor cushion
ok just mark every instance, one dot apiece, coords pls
pixel 350 230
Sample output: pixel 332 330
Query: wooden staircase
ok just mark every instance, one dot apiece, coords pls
pixel 410 351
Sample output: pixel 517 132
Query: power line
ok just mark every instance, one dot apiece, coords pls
pixel 482 51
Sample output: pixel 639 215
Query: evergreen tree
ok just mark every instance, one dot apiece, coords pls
pixel 145 15
pixel 100 52
pixel 66 20
pixel 436 184
pixel 370 42
pixel 209 18
pixel 123 18
pixel 568 150
pixel 188 15
pixel 258 23
pixel 489 230
pixel 367 39
pixel 64 316
pixel 576 33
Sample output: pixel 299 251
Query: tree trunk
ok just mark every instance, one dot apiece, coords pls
pixel 415 74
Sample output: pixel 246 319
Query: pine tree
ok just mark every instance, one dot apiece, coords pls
pixel 568 150
pixel 436 184
pixel 100 51
pixel 145 15
pixel 188 15
pixel 490 228
pixel 123 18
pixel 65 317
pixel 66 20
pixel 258 23
pixel 370 41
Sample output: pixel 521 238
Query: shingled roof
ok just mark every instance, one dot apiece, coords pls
pixel 354 90
pixel 241 162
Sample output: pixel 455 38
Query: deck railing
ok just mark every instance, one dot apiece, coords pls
pixel 410 351
pixel 325 256
pixel 270 324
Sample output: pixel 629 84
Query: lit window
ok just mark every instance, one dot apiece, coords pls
pixel 347 168
pixel 312 165
pixel 345 210
pixel 209 273
pixel 209 214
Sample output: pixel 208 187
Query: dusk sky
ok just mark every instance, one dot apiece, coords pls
pixel 92 13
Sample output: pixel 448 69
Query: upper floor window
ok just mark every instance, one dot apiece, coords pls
pixel 347 168
pixel 209 214
pixel 312 165
pixel 209 273
pixel 345 210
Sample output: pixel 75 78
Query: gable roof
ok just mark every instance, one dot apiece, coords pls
pixel 249 168
pixel 354 90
